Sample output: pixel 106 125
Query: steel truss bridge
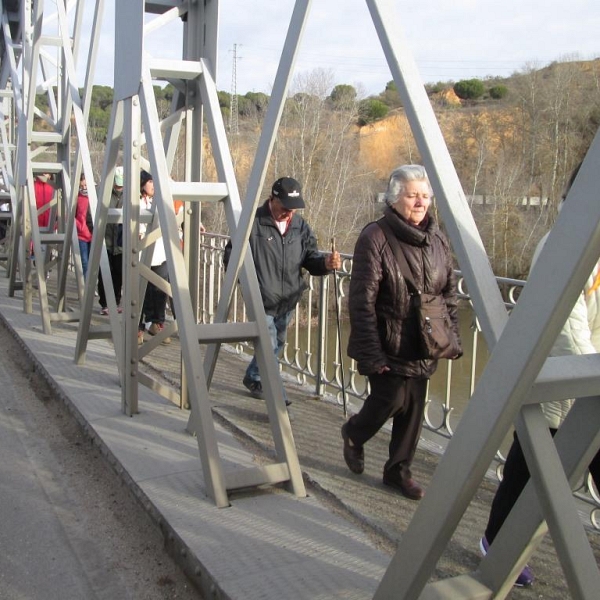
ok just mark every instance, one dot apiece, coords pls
pixel 38 61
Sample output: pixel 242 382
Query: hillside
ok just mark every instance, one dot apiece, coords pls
pixel 505 146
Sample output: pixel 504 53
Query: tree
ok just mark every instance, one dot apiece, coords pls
pixel 99 119
pixel 320 147
pixel 371 110
pixel 390 96
pixel 436 88
pixel 469 89
pixel 163 97
pixel 497 92
pixel 224 99
pixel 245 106
pixel 342 96
pixel 553 101
pixel 258 101
pixel 168 91
pixel 102 96
pixel 100 110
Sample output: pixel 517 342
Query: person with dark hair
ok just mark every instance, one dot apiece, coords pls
pixel 84 224
pixel 155 300
pixel 579 335
pixel 383 324
pixel 283 246
pixel 113 238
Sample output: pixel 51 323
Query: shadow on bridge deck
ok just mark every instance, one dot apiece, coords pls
pixel 336 543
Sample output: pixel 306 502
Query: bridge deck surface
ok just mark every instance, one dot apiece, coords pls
pixel 336 543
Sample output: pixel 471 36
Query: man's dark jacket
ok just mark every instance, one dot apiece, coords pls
pixel 383 328
pixel 279 260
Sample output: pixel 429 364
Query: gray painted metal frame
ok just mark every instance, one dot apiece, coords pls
pixel 242 227
pixel 518 377
pixel 135 119
pixel 57 78
pixel 509 378
pixel 10 80
pixel 7 135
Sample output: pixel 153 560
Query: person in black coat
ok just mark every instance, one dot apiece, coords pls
pixel 383 325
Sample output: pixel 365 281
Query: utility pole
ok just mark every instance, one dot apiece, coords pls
pixel 233 116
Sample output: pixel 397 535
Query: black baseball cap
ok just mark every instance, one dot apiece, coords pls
pixel 289 192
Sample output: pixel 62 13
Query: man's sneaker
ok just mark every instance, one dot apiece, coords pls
pixel 354 457
pixel 484 545
pixel 104 311
pixel 155 329
pixel 254 387
pixel 525 578
pixel 119 309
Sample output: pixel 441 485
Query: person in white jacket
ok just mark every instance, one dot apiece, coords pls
pixel 155 300
pixel 579 335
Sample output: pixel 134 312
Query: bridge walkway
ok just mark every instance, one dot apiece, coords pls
pixel 268 544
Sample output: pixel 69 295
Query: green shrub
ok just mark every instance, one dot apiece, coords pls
pixel 370 110
pixel 498 91
pixel 469 89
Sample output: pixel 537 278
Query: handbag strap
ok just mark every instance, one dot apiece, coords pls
pixel 399 255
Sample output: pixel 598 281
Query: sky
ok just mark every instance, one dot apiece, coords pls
pixel 454 40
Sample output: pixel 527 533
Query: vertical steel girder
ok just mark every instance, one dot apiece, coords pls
pixel 150 143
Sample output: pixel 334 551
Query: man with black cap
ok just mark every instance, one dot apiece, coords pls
pixel 282 245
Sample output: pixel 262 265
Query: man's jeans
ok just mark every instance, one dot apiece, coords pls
pixel 278 334
pixel 84 252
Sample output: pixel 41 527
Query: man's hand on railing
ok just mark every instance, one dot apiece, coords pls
pixel 333 261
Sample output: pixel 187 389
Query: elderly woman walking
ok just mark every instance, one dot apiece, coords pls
pixel 384 326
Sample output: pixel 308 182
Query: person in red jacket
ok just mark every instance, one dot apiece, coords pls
pixel 84 224
pixel 44 193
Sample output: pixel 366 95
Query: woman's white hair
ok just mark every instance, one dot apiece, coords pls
pixel 400 176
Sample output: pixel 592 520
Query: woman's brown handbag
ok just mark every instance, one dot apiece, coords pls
pixel 436 331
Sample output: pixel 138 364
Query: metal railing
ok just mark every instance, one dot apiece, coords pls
pixel 314 357
pixel 313 353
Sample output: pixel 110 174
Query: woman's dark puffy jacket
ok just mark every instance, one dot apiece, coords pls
pixel 383 327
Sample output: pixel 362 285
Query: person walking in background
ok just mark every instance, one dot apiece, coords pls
pixel 155 300
pixel 44 193
pixel 382 322
pixel 113 239
pixel 282 245
pixel 4 208
pixel 44 190
pixel 579 335
pixel 84 224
